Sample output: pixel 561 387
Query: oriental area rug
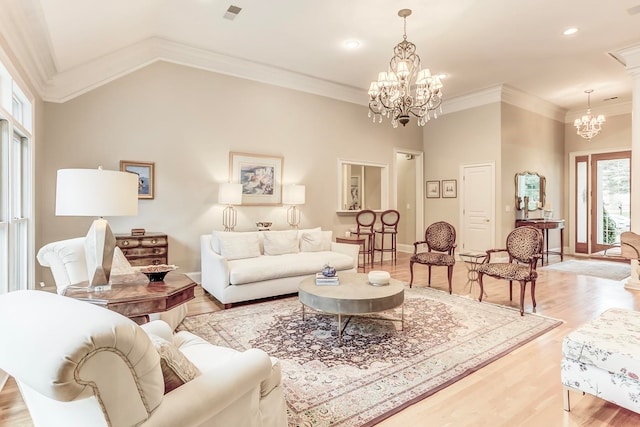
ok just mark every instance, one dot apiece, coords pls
pixel 379 369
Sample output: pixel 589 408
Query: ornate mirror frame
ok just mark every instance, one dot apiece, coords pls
pixel 533 186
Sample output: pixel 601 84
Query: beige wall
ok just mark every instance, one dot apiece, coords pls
pixel 465 137
pixel 187 121
pixel 534 143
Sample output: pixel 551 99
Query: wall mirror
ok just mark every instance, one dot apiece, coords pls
pixel 530 185
pixel 362 185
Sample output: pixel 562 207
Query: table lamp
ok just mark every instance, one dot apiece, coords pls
pixel 229 194
pixel 293 195
pixel 98 193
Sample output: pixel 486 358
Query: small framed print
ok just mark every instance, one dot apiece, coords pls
pixel 433 189
pixel 146 177
pixel 449 188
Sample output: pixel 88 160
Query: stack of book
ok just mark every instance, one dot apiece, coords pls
pixel 323 280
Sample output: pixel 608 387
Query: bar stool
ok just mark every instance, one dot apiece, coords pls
pixel 389 220
pixel 365 219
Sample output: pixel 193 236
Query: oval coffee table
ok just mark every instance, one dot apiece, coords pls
pixel 353 296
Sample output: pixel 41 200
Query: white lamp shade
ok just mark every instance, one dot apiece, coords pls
pixel 230 194
pixel 293 195
pixel 96 192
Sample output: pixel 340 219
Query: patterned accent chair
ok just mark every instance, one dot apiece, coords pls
pixel 524 246
pixel 440 238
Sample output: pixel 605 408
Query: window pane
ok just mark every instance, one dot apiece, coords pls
pixel 581 202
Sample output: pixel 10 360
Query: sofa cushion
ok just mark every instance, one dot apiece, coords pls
pixel 259 269
pixel 176 368
pixel 236 245
pixel 280 242
pixel 311 241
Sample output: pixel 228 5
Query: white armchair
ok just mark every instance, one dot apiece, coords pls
pixel 68 264
pixel 77 364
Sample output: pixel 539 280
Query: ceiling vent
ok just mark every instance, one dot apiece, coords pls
pixel 232 12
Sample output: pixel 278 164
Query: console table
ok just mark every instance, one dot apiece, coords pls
pixel 545 225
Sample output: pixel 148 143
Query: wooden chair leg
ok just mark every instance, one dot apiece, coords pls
pixel 450 276
pixel 481 286
pixel 429 279
pixel 533 294
pixel 411 268
pixel 523 288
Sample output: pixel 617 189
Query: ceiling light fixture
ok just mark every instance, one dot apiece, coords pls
pixel 570 31
pixel 589 126
pixel 391 95
pixel 352 44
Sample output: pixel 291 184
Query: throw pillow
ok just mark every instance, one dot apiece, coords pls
pixel 176 368
pixel 311 241
pixel 238 245
pixel 280 242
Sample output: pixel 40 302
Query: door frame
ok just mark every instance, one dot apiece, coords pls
pixel 419 162
pixel 492 193
pixel 572 194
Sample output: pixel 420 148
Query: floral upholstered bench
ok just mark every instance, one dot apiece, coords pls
pixel 602 358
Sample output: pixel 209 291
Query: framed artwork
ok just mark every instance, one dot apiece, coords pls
pixel 449 188
pixel 433 189
pixel 146 176
pixel 260 176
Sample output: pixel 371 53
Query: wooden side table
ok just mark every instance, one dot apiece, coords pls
pixel 148 249
pixel 545 225
pixel 132 295
pixel 362 242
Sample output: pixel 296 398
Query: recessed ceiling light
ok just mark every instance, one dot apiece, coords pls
pixel 351 44
pixel 570 31
pixel 442 76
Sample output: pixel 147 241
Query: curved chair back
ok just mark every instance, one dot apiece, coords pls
pixel 523 243
pixel 440 236
pixel 390 219
pixel 365 220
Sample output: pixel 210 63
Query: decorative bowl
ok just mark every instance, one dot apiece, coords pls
pixel 263 224
pixel 156 273
pixel 379 278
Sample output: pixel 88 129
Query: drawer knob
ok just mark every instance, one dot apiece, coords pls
pixel 156 251
pixel 154 241
pixel 125 243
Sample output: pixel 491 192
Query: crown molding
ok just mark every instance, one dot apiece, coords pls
pixel 472 100
pixel 630 57
pixel 608 110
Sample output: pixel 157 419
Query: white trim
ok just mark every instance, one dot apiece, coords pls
pixel 384 183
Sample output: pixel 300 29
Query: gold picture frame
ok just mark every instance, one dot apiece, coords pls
pixel 260 176
pixel 146 176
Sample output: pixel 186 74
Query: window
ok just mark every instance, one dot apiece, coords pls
pixel 16 195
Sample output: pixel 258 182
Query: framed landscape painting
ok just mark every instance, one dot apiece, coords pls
pixel 260 176
pixel 146 176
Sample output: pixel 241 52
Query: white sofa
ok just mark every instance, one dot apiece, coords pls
pixel 244 266
pixel 68 263
pixel 77 364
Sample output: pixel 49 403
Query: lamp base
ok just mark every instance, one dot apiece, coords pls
pixel 293 216
pixel 99 247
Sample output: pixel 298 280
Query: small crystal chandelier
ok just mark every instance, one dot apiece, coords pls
pixel 589 126
pixel 391 95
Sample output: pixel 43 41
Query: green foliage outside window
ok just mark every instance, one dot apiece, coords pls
pixel 608 229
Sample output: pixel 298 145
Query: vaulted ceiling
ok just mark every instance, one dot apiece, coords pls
pixel 71 46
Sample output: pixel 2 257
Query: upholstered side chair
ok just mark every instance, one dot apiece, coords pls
pixel 440 238
pixel 78 364
pixel 524 247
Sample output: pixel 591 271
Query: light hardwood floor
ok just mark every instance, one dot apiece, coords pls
pixel 520 389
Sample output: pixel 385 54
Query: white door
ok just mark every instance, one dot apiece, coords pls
pixel 478 208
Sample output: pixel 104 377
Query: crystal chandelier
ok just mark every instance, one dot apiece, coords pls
pixel 392 94
pixel 589 126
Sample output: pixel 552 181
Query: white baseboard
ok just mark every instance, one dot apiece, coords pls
pixel 3 378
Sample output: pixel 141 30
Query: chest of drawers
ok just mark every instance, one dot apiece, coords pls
pixel 151 248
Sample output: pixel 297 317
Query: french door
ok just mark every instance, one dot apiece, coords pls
pixel 603 200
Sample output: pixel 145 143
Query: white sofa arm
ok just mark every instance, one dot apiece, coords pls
pixel 210 393
pixel 347 249
pixel 214 269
